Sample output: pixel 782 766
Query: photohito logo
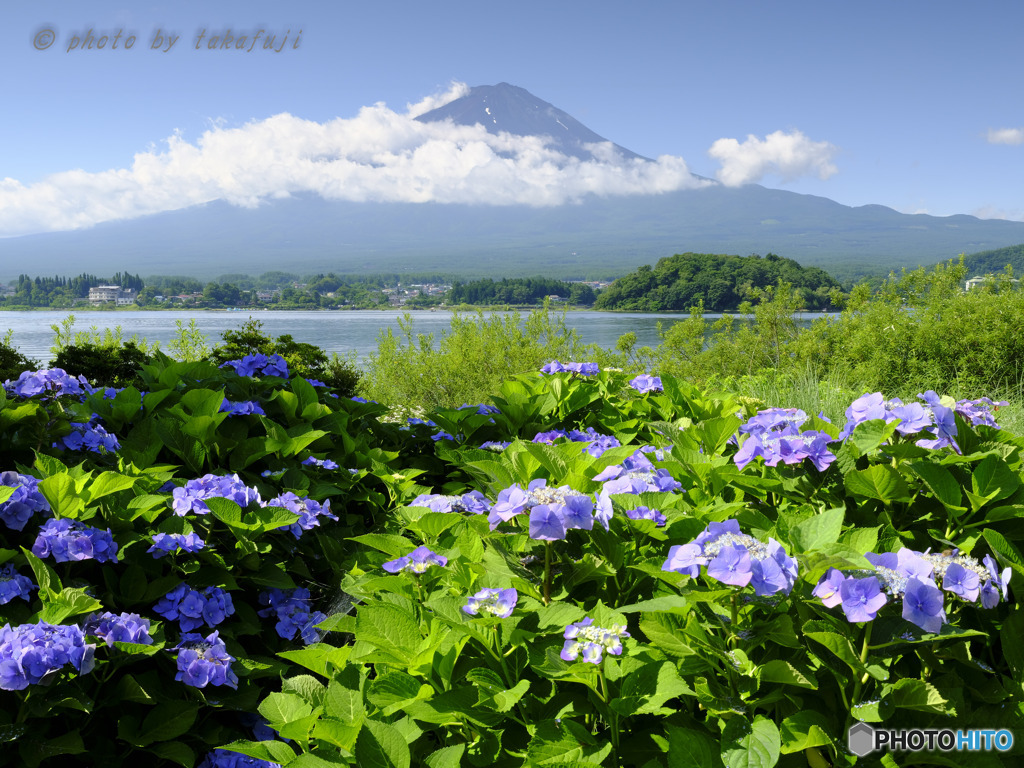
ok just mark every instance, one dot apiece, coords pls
pixel 862 740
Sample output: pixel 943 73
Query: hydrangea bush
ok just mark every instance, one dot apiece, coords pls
pixel 592 569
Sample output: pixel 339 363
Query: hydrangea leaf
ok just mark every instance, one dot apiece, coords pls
pixel 381 745
pixel 748 744
pixel 880 482
pixel 808 728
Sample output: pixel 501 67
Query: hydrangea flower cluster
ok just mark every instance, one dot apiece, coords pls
pixel 69 540
pixel 917 578
pixel 242 408
pixel 580 369
pixel 222 758
pixel 645 383
pixel 30 653
pixel 13 584
pixel 24 502
pixel 308 510
pixel 191 497
pixel 980 412
pixel 52 382
pixel 496 602
pixel 473 502
pixel 165 543
pixel 495 445
pixel 645 513
pixel 774 419
pixel 259 365
pixel 774 435
pixel 192 608
pixel 292 609
pixel 89 436
pixel 322 463
pixel 636 475
pixel 590 642
pixel 204 661
pixel 416 561
pixel 114 628
pixel 553 511
pixel 735 558
pixel 596 443
pixel 933 418
pixel 481 408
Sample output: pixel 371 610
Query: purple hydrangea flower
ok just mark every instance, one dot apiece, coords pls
pixel 497 602
pixel 590 642
pixel 192 608
pixel 191 497
pixel 259 365
pixel 481 408
pixel 645 383
pixel 861 598
pixel 13 584
pixel 293 612
pixel 980 412
pixel 735 558
pixel 242 408
pixel 416 561
pixel 51 382
pixel 645 513
pixel 222 758
pixel 164 543
pixel 24 502
pixel 204 661
pixel 471 501
pixel 114 628
pixel 89 436
pixel 69 540
pixel 31 653
pixel 308 510
pixel 322 463
pixel 780 420
pixel 787 446
pixel 923 605
pixel 495 445
pixel 827 589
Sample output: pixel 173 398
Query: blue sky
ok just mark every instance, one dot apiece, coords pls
pixel 915 105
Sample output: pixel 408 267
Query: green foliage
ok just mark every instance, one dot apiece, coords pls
pixel 518 291
pixel 12 362
pixel 111 366
pixel 718 283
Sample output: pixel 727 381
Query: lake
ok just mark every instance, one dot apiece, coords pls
pixel 340 331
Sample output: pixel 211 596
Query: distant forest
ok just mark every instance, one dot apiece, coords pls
pixel 722 283
pixel 995 262
pixel 527 290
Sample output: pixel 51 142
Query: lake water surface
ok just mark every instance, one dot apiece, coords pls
pixel 339 331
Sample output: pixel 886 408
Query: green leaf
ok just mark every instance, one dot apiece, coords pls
pixel 869 435
pixel 750 745
pixel 381 745
pixel 166 721
pixel 814 532
pixel 388 543
pixel 46 577
pixel 909 693
pixel 281 708
pixel 780 671
pixel 390 629
pixel 107 483
pixel 646 690
pixel 880 482
pixel 940 482
pixel 61 492
pixel 271 751
pixel 993 479
pixel 176 752
pixel 688 748
pixel 804 729
pixel 446 757
pixel 1005 549
pixel 344 703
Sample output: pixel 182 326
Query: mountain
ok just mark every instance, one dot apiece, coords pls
pixel 597 237
pixel 515 110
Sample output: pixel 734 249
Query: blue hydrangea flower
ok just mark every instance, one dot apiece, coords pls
pixel 495 445
pixel 581 369
pixel 980 412
pixel 308 510
pixel 294 615
pixel 471 501
pixel 636 475
pixel 114 628
pixel 786 445
pixel 416 561
pixel 242 408
pixel 89 436
pixel 590 642
pixel 204 661
pixel 164 543
pixel 934 418
pixel 923 605
pixel 259 365
pixel 222 758
pixel 51 382
pixel 192 608
pixel 322 463
pixel 827 588
pixel 30 652
pixel 13 584
pixel 645 513
pixel 191 497
pixel 861 598
pixel 553 511
pixel 735 558
pixel 645 383
pixel 69 540
pixel 24 502
pixel 497 602
pixel 781 420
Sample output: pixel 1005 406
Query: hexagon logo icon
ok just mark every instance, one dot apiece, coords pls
pixel 861 739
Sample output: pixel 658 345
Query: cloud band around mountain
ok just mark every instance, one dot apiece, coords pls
pixel 379 155
pixel 788 155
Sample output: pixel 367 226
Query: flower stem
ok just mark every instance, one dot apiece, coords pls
pixel 547 572
pixel 859 683
pixel 613 716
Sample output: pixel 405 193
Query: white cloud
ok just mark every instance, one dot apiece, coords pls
pixel 379 155
pixel 1005 136
pixel 789 155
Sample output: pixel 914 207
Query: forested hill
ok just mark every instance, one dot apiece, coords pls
pixel 721 282
pixel 987 262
